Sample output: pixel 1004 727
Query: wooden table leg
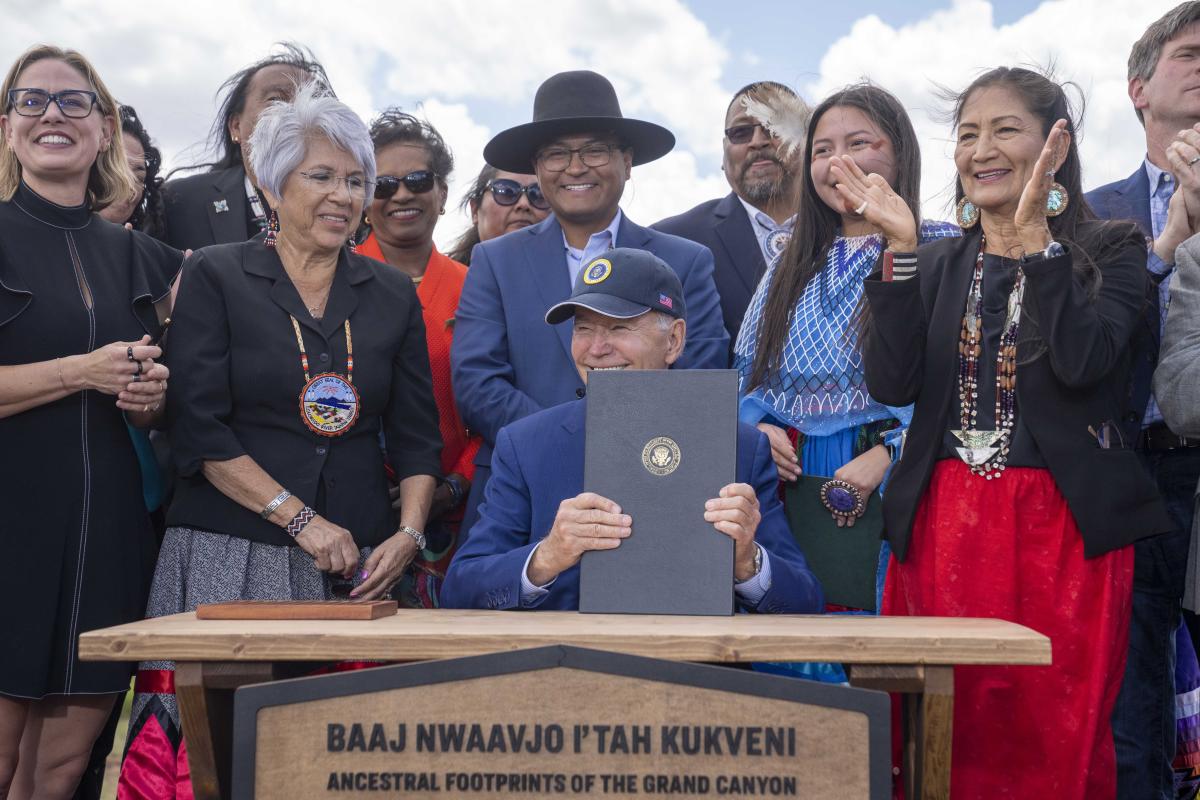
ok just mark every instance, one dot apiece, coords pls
pixel 927 694
pixel 205 694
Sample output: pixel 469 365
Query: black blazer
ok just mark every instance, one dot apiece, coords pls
pixel 1129 199
pixel 724 228
pixel 236 381
pixel 206 209
pixel 911 356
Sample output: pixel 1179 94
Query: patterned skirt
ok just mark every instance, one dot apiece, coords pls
pixel 1010 549
pixel 194 568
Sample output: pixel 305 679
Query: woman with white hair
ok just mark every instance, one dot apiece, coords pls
pixel 303 354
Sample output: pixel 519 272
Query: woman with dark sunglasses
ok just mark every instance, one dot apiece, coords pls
pixel 498 202
pixel 414 164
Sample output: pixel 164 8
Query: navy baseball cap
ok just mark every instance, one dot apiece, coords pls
pixel 623 283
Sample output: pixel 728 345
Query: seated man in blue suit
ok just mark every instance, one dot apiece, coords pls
pixel 536 523
pixel 505 363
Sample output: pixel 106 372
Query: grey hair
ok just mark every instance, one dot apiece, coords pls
pixel 280 139
pixel 1143 59
pixel 662 319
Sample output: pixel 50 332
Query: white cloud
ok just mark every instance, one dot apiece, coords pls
pixel 1087 41
pixel 473 68
pixel 450 57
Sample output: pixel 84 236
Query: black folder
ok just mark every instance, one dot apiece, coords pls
pixel 659 444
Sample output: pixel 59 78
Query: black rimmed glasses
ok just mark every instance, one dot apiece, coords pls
pixel 557 159
pixel 418 182
pixel 742 134
pixel 74 103
pixel 507 192
pixel 327 182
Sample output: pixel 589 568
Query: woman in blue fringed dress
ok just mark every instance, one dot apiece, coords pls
pixel 797 352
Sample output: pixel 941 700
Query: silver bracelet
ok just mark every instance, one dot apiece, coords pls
pixel 279 500
pixel 415 534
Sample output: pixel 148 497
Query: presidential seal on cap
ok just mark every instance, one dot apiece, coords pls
pixel 623 283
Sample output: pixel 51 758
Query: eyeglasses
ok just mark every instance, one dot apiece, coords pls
pixel 507 192
pixel 557 159
pixel 74 103
pixel 328 182
pixel 418 182
pixel 742 134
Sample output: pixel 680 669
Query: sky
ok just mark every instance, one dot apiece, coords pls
pixel 471 67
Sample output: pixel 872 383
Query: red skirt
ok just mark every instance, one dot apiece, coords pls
pixel 1009 549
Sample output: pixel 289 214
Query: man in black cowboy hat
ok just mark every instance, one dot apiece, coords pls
pixel 506 364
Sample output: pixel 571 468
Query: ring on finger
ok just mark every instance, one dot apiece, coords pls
pixel 129 354
pixel 1193 160
pixel 862 208
pixel 139 368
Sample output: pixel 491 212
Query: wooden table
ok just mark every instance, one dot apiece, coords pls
pixel 911 655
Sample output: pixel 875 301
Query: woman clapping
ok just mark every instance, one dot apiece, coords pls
pixel 1015 497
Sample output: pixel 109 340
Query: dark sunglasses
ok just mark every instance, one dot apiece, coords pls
pixel 507 192
pixel 742 134
pixel 418 182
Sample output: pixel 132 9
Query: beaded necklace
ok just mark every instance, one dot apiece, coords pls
pixel 986 452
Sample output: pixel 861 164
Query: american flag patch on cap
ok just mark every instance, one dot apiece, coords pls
pixel 663 300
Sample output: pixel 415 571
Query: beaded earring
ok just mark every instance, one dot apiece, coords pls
pixel 1057 200
pixel 272 229
pixel 966 214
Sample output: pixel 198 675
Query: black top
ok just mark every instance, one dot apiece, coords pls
pixel 999 273
pixel 208 208
pixel 1078 380
pixel 78 549
pixel 236 380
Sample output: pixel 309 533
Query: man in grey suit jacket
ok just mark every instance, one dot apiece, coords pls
pixel 1177 379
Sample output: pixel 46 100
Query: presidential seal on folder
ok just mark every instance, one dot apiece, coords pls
pixel 660 443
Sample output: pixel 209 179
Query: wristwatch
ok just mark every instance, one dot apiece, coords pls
pixel 757 563
pixel 416 535
pixel 1053 250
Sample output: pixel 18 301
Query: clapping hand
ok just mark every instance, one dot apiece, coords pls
pixel 1030 219
pixel 870 197
pixel 1183 212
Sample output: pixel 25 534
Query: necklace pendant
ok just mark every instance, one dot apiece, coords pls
pixel 979 446
pixel 329 404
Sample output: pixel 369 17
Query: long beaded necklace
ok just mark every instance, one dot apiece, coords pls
pixel 986 452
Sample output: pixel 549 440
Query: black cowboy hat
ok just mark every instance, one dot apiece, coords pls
pixel 580 101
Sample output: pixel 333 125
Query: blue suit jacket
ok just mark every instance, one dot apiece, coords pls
pixel 723 227
pixel 538 463
pixel 506 362
pixel 1130 199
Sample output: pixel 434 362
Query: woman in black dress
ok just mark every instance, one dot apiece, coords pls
pixel 77 317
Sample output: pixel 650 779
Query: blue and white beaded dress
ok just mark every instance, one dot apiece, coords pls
pixel 819 388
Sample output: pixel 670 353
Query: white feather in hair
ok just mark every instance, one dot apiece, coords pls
pixel 782 113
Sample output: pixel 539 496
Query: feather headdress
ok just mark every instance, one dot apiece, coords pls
pixel 783 114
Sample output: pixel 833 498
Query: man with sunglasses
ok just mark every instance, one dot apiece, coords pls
pixel 751 225
pixel 506 364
